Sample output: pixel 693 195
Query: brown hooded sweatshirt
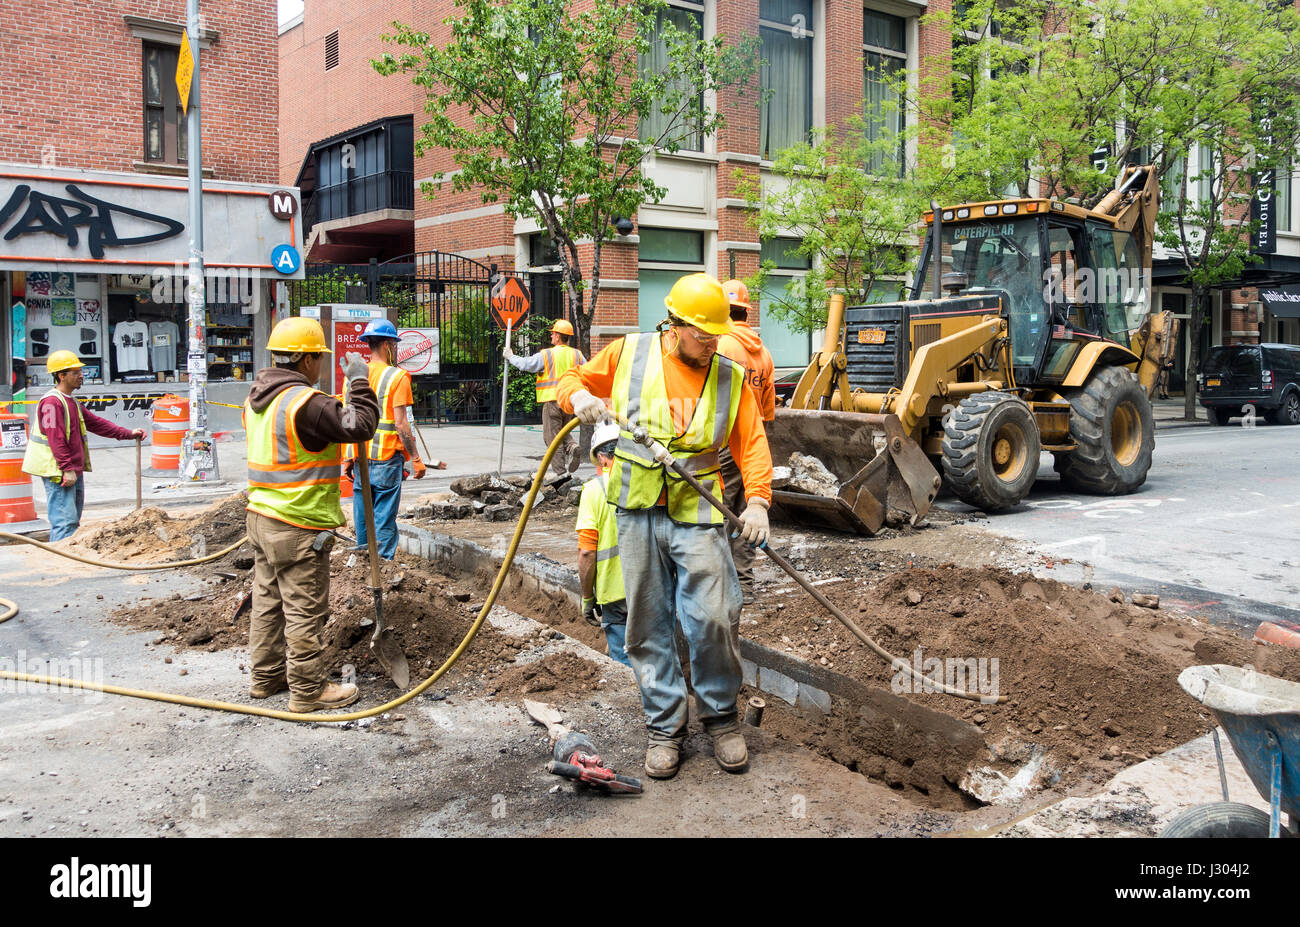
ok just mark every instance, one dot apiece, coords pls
pixel 322 420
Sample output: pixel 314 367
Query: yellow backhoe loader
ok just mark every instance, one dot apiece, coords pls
pixel 1043 342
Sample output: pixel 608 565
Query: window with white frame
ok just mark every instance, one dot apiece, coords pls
pixel 789 346
pixel 688 18
pixel 786 77
pixel 1282 197
pixel 884 58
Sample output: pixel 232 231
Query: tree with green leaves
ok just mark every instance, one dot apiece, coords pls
pixel 553 110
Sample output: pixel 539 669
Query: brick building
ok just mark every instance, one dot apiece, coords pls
pixel 93 201
pixel 331 97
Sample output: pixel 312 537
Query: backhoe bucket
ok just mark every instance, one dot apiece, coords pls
pixel 879 468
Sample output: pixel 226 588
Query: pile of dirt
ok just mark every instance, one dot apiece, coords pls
pixel 150 535
pixel 557 677
pixel 1092 682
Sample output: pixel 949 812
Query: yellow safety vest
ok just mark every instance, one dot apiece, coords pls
pixel 636 481
pixel 39 459
pixel 386 441
pixel 557 360
pixel 595 512
pixel 285 480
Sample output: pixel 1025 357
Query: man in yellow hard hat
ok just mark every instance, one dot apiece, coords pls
pixel 549 365
pixel 294 435
pixel 743 345
pixel 57 451
pixel 672 544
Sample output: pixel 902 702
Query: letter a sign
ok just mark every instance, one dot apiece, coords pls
pixel 510 301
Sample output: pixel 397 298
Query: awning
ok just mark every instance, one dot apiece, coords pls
pixel 1282 301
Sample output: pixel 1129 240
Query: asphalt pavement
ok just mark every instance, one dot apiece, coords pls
pixel 1214 528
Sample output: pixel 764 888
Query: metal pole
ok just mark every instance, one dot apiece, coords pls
pixel 505 381
pixel 198 452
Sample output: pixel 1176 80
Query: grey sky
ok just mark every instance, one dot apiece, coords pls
pixel 289 9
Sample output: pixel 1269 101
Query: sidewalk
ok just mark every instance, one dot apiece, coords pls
pixel 1169 414
pixel 467 449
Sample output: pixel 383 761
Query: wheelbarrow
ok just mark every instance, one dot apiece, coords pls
pixel 1261 716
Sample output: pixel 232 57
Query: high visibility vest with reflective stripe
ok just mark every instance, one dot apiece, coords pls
pixel 39 459
pixel 557 360
pixel 609 569
pixel 386 441
pixel 285 480
pixel 636 481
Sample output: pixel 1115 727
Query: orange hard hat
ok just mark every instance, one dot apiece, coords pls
pixel 563 327
pixel 737 293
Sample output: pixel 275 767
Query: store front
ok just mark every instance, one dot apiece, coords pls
pixel 95 263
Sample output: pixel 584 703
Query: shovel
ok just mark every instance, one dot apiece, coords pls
pixel 382 643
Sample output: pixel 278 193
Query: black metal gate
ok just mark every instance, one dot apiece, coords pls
pixel 430 289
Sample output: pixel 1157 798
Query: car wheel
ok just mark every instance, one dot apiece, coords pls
pixel 1288 413
pixel 1216 416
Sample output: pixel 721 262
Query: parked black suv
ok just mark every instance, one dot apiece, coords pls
pixel 1266 376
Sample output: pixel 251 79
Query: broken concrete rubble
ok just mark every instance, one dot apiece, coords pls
pixel 809 475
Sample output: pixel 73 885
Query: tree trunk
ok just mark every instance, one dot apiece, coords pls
pixel 1200 303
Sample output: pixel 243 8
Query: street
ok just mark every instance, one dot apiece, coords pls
pixel 1215 526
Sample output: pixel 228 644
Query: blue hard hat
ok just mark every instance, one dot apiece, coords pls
pixel 379 328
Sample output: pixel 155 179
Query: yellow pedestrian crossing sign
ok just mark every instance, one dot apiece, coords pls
pixel 184 73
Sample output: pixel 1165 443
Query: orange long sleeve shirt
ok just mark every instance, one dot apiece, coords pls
pixel 684 383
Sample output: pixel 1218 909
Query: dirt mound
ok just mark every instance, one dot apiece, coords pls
pixel 556 676
pixel 1091 681
pixel 150 535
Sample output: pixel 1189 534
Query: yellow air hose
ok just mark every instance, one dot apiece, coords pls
pixel 315 717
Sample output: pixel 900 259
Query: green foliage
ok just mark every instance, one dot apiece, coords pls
pixel 554 94
pixel 462 337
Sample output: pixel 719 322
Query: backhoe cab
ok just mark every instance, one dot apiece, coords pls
pixel 1043 342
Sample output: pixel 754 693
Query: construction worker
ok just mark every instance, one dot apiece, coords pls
pixel 599 571
pixel 549 365
pixel 743 345
pixel 294 432
pixel 57 451
pixel 391 447
pixel 676 563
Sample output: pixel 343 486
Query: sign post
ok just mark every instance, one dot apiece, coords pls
pixel 198 450
pixel 509 304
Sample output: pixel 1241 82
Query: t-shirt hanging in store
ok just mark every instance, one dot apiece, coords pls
pixel 162 345
pixel 130 339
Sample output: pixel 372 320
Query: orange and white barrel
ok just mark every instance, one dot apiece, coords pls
pixel 17 507
pixel 171 419
pixel 345 487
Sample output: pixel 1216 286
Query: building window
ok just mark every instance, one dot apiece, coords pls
pixel 682 249
pixel 689 20
pixel 332 50
pixel 788 345
pixel 786 114
pixel 1282 197
pixel 884 58
pixel 165 130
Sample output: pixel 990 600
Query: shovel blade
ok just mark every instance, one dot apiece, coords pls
pixel 383 644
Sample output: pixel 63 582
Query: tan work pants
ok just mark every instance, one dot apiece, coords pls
pixel 567 456
pixel 291 590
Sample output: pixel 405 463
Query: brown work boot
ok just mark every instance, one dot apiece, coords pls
pixel 266 690
pixel 730 751
pixel 662 760
pixel 332 696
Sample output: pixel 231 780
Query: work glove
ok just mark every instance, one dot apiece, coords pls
pixel 69 478
pixel 588 408
pixel 419 467
pixel 753 523
pixel 591 612
pixel 507 353
pixel 355 366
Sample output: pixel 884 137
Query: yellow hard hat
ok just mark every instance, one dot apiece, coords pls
pixel 62 360
pixel 563 327
pixel 699 300
pixel 296 335
pixel 737 293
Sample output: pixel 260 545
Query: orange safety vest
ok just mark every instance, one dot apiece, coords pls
pixel 384 379
pixel 557 360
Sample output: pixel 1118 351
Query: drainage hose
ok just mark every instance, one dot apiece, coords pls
pixel 312 718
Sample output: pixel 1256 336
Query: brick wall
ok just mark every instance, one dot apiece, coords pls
pixel 73 79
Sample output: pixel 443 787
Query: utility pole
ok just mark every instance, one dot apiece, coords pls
pixel 198 450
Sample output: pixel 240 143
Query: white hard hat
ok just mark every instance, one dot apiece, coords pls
pixel 605 432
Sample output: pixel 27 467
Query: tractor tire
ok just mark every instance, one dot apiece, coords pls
pixel 1112 424
pixel 1219 819
pixel 991 448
